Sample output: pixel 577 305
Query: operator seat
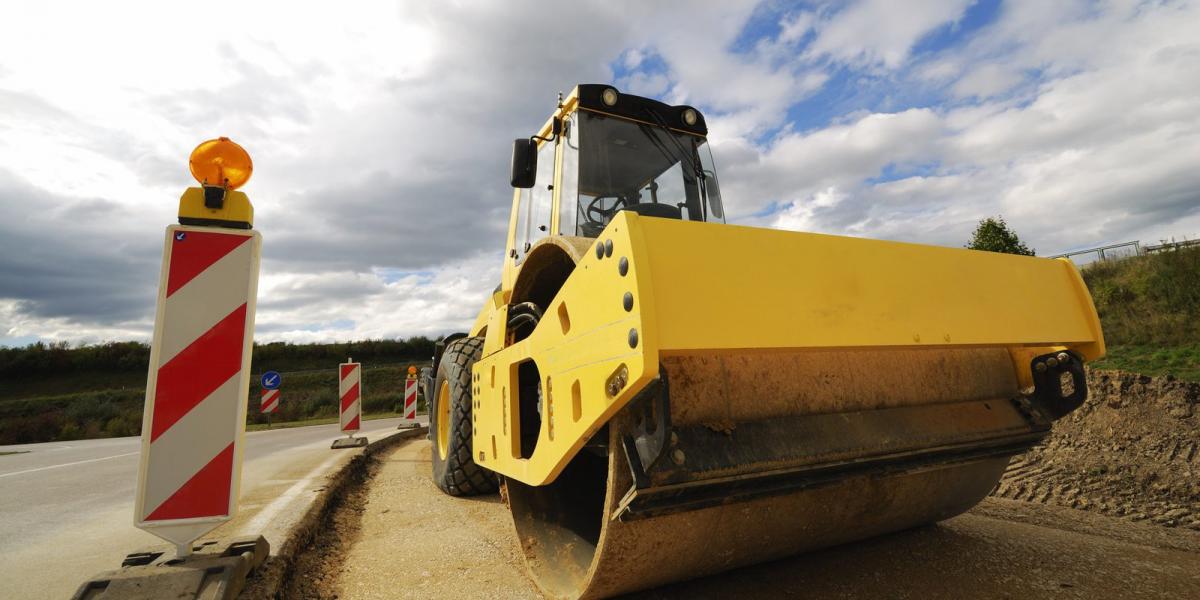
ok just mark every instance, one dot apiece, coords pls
pixel 654 209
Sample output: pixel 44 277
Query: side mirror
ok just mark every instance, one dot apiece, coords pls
pixel 714 195
pixel 524 163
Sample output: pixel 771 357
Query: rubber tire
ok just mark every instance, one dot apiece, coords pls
pixel 458 475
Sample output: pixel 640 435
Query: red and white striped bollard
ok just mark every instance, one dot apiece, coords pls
pixel 269 402
pixel 349 404
pixel 195 410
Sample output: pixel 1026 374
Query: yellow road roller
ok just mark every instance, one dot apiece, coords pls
pixel 660 395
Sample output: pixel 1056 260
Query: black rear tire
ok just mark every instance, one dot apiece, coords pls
pixel 454 469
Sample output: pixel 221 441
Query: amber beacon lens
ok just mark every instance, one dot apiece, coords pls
pixel 221 162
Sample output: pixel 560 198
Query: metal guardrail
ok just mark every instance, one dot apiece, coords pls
pixel 1126 250
pixel 1172 245
pixel 1109 252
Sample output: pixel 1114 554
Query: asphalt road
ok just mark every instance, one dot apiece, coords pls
pixel 66 508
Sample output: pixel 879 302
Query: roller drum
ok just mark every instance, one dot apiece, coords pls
pixel 580 538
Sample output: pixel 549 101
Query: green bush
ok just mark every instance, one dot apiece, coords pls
pixel 66 413
pixel 70 431
pixel 55 391
pixel 42 369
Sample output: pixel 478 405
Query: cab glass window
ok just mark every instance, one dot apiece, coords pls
pixel 533 216
pixel 651 170
pixel 568 215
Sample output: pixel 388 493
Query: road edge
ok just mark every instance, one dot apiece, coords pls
pixel 268 580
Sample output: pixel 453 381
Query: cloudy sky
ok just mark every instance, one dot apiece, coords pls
pixel 381 132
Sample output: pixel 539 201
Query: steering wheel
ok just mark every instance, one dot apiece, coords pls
pixel 597 214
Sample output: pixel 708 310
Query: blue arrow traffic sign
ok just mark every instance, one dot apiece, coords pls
pixel 270 380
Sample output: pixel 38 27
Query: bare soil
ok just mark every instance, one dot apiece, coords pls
pixel 1132 451
pixel 1108 506
pixel 315 572
pixel 1012 555
pixel 413 541
pixel 310 559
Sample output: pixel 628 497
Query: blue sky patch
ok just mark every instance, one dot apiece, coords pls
pixel 388 275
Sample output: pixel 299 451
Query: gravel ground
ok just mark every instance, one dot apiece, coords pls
pixel 416 542
pixel 1105 508
pixel 411 541
pixel 971 556
pixel 1133 451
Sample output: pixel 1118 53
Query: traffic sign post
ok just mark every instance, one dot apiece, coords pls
pixel 195 410
pixel 269 402
pixel 349 404
pixel 410 400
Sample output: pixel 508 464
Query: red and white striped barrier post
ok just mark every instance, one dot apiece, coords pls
pixel 410 399
pixel 270 401
pixel 269 404
pixel 195 411
pixel 349 404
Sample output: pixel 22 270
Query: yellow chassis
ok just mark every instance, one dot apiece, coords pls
pixel 707 288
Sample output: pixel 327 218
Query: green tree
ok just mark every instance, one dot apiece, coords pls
pixel 994 235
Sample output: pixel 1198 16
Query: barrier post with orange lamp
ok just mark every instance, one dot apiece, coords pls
pixel 410 400
pixel 194 419
pixel 195 411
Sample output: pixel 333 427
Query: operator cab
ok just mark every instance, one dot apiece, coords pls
pixel 603 152
pixel 649 169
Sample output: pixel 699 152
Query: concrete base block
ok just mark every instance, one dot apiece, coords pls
pixel 216 570
pixel 350 442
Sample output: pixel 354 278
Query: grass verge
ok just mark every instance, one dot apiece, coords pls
pixel 1182 361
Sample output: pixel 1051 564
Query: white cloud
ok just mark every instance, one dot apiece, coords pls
pixel 800 215
pixel 987 80
pixel 799 165
pixel 793 28
pixel 882 32
pixel 18 326
pixel 348 305
pixel 380 135
pixel 1101 148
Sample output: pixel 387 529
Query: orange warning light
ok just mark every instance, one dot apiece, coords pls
pixel 221 162
pixel 412 370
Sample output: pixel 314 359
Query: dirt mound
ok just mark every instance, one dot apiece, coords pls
pixel 1132 451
